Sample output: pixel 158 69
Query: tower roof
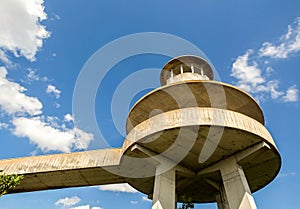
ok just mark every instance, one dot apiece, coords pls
pixel 186 61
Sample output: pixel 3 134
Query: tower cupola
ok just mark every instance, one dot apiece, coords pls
pixel 185 68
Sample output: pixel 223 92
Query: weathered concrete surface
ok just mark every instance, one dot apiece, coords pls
pixel 193 94
pixel 186 77
pixel 65 170
pixel 197 138
pixel 164 190
pixel 185 62
pixel 236 187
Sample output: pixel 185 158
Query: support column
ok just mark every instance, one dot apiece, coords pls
pixel 164 194
pixel 236 187
pixel 221 199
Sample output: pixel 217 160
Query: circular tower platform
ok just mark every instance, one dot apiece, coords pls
pixel 197 126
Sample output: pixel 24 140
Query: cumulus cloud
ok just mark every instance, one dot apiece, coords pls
pixel 288 43
pixel 13 100
pixel 248 75
pixel 68 201
pixel 53 90
pixel 22 34
pixel 253 72
pixel 49 135
pixel 250 78
pixel 118 188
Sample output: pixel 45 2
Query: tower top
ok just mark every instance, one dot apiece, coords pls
pixel 186 67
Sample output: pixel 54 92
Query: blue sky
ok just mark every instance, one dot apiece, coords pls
pixel 44 45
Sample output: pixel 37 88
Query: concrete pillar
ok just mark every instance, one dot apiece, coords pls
pixel 164 194
pixel 237 191
pixel 221 199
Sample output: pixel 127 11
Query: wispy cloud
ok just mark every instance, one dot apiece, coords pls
pixel 3 125
pixel 133 202
pixel 81 207
pixel 51 89
pixel 68 201
pixel 31 76
pixel 85 207
pixel 287 44
pixel 291 94
pixel 118 188
pixel 22 34
pixel 282 175
pixel 253 70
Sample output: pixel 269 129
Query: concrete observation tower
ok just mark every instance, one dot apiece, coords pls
pixel 193 139
pixel 207 137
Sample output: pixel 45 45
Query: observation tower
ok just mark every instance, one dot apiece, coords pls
pixel 191 140
pixel 201 140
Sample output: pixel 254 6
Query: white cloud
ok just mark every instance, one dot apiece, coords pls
pixel 133 202
pixel 68 201
pixel 288 43
pixel 13 100
pixel 54 17
pixel 255 79
pixel 144 198
pixel 82 139
pixel 291 94
pixel 118 188
pixel 68 117
pixel 4 58
pixel 272 87
pixel 53 90
pixel 23 33
pixel 32 76
pixel 42 134
pixel 3 125
pixel 49 135
pixel 248 76
pixel 281 175
pixel 82 207
pixel 85 207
